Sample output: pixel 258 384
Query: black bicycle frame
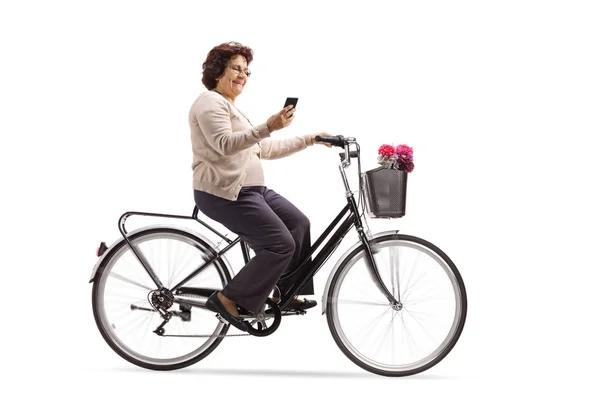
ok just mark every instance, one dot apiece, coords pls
pixel 305 271
pixel 309 267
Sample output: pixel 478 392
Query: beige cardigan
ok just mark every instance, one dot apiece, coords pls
pixel 222 140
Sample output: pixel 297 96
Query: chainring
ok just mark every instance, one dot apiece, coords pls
pixel 261 320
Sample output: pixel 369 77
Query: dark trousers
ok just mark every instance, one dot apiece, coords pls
pixel 277 232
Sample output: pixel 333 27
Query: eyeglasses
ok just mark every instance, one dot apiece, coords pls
pixel 239 70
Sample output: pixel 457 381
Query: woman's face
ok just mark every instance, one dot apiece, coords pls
pixel 234 78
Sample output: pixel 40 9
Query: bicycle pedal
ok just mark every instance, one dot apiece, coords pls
pixel 223 320
pixel 293 312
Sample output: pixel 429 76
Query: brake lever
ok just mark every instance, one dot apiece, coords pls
pixel 353 154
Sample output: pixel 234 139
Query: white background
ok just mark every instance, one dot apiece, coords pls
pixel 499 100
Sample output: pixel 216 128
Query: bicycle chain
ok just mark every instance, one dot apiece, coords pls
pixel 208 336
pixel 198 336
pixel 204 336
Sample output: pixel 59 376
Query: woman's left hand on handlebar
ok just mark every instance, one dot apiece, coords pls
pixel 320 134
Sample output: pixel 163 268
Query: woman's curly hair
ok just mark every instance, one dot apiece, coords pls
pixel 217 59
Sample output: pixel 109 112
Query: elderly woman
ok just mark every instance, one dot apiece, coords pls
pixel 229 185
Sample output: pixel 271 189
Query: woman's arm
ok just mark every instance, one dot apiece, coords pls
pixel 271 149
pixel 214 119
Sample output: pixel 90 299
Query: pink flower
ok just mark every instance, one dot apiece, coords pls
pixel 404 156
pixel 402 148
pixel 386 150
pixel 406 167
pixel 399 157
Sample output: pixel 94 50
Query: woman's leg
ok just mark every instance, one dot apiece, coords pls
pixel 299 226
pixel 256 223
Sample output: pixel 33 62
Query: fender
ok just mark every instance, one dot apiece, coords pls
pixel 199 236
pixel 339 263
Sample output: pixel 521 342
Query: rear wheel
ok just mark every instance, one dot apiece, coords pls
pixel 123 296
pixel 404 339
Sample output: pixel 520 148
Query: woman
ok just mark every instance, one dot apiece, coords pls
pixel 229 184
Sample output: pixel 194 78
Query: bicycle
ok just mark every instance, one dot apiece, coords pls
pixel 176 311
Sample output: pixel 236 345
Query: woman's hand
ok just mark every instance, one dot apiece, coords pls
pixel 282 119
pixel 313 140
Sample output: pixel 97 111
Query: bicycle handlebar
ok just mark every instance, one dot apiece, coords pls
pixel 338 140
pixel 343 142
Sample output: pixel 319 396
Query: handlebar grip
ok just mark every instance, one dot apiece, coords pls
pixel 338 140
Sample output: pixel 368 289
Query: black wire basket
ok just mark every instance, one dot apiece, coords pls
pixel 385 192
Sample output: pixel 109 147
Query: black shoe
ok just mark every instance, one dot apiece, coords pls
pixel 214 304
pixel 303 304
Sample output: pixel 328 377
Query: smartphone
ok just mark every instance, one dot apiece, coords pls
pixel 291 100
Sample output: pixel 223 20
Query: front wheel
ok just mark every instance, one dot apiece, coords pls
pixel 407 338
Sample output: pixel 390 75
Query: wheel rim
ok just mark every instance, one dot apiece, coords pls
pixel 124 282
pixel 366 323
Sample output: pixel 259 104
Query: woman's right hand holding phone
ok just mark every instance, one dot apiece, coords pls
pixel 282 119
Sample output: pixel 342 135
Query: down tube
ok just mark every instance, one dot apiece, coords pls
pixel 320 258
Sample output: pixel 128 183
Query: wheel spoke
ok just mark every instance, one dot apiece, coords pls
pixel 183 270
pixel 395 271
pixel 392 272
pixel 360 302
pixel 392 340
pixel 371 326
pixel 428 297
pixel 385 334
pixel 409 337
pixel 180 254
pixel 134 283
pixel 423 314
pixel 130 323
pixel 425 331
pixel 111 297
pixel 410 288
pixel 168 258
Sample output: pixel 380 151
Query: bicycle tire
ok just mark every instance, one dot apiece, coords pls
pixel 221 268
pixel 331 308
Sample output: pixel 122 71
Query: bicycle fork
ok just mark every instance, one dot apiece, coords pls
pixel 374 272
